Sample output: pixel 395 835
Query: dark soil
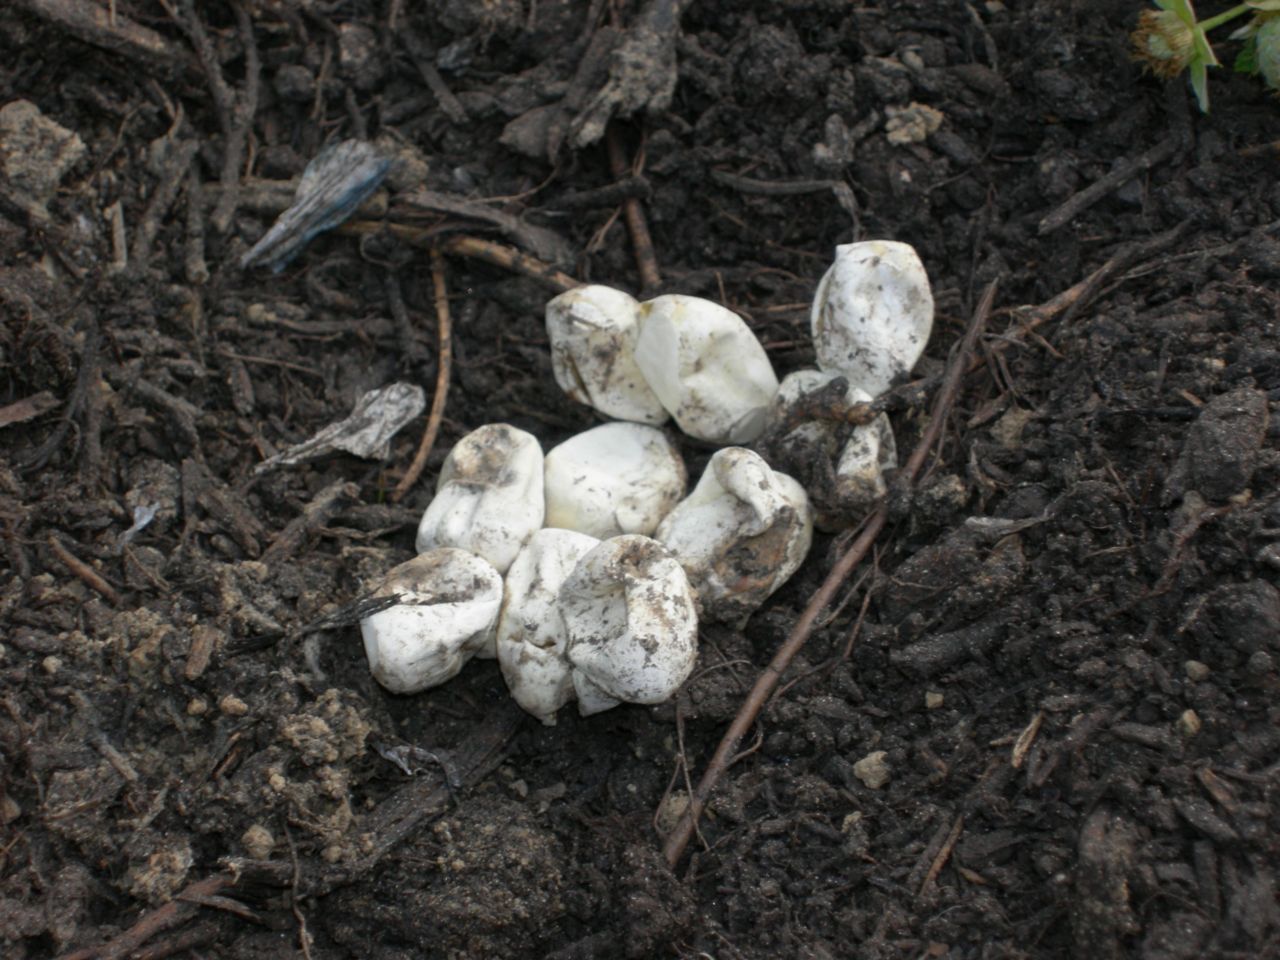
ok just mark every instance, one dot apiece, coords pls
pixel 1067 664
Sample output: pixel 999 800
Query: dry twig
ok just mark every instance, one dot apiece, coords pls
pixel 769 677
pixel 641 240
pixel 443 361
pixel 1079 202
pixel 88 21
pixel 84 572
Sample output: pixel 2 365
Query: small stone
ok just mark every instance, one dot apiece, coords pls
pixel 1189 723
pixel 296 83
pixel 258 842
pixel 35 154
pixel 1260 663
pixel 933 700
pixel 670 811
pixel 911 124
pixel 233 706
pixel 51 665
pixel 197 707
pixel 872 770
pixel 1196 671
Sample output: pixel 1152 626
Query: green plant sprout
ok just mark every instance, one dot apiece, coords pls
pixel 1170 41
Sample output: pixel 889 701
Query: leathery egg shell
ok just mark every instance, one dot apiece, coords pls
pixel 531 630
pixel 872 313
pixel 489 497
pixel 593 339
pixel 448 609
pixel 741 534
pixel 613 479
pixel 706 366
pixel 843 467
pixel 632 624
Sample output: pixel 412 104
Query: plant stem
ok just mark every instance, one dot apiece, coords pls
pixel 1225 17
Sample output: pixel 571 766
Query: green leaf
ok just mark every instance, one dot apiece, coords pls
pixel 1247 60
pixel 1200 84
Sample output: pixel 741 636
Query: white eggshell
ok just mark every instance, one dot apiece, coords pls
pixel 632 623
pixel 489 497
pixel 593 340
pixel 449 603
pixel 613 479
pixel 706 366
pixel 531 631
pixel 872 314
pixel 860 472
pixel 858 456
pixel 741 534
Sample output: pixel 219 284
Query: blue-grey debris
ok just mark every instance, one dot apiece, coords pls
pixel 367 433
pixel 143 514
pixel 340 178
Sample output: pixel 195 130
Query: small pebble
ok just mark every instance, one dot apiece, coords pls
pixel 1261 663
pixel 872 770
pixel 197 707
pixel 258 842
pixel 1196 670
pixel 233 706
pixel 51 665
pixel 670 811
pixel 1189 723
pixel 933 700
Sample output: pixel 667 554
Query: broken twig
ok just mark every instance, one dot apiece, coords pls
pixel 726 752
pixel 444 360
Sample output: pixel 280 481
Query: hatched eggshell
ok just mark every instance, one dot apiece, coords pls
pixel 593 333
pixel 706 366
pixel 448 609
pixel 843 467
pixel 531 631
pixel 870 451
pixel 741 534
pixel 632 623
pixel 872 314
pixel 489 496
pixel 613 479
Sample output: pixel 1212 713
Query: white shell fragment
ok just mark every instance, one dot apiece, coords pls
pixel 869 452
pixel 872 314
pixel 706 366
pixel 741 534
pixel 613 479
pixel 842 466
pixel 632 624
pixel 531 631
pixel 448 609
pixel 593 333
pixel 489 497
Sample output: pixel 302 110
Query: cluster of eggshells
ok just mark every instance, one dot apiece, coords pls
pixel 584 571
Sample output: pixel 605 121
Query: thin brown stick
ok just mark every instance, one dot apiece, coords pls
pixel 89 22
pixel 314 516
pixel 84 572
pixel 1075 297
pixel 943 854
pixel 163 918
pixel 1077 203
pixel 241 118
pixel 443 362
pixel 772 673
pixel 641 239
pixel 509 258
